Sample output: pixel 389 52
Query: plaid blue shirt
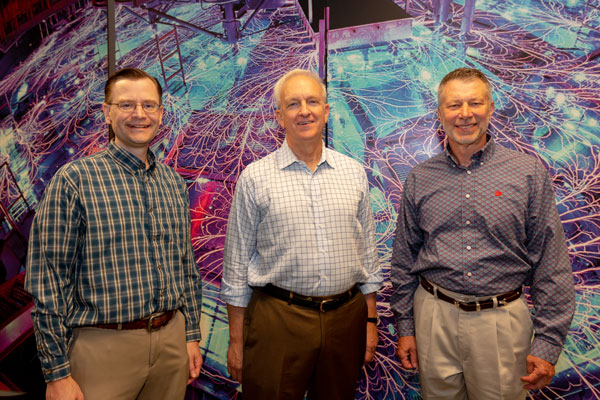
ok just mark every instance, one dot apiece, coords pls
pixel 110 243
pixel 482 230
pixel 308 232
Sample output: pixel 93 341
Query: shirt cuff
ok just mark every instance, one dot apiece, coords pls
pixel 367 288
pixel 235 296
pixel 545 350
pixel 406 328
pixel 192 334
pixel 57 369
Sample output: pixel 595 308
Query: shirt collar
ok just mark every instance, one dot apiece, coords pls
pixel 482 155
pixel 128 160
pixel 286 157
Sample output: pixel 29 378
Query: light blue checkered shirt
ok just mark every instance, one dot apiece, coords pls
pixel 311 233
pixel 110 243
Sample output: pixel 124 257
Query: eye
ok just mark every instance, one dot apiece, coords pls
pixel 150 106
pixel 126 106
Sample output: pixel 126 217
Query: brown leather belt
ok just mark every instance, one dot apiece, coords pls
pixel 323 304
pixel 154 323
pixel 501 299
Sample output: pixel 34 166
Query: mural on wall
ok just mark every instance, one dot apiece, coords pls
pixel 542 57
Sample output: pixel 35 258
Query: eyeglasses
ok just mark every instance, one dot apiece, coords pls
pixel 129 106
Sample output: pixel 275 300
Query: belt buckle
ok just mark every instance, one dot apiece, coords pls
pixel 324 302
pixel 150 328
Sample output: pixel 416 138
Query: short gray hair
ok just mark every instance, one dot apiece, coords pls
pixel 296 72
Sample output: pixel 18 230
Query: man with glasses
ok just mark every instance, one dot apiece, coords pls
pixel 117 293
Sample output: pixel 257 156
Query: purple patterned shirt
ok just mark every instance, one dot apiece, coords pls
pixel 482 230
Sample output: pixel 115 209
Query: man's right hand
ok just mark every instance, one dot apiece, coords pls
pixel 235 357
pixel 235 354
pixel 407 351
pixel 63 389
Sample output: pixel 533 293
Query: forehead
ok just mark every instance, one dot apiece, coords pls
pixel 301 86
pixel 142 88
pixel 461 88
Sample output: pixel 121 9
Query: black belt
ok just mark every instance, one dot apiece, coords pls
pixel 154 323
pixel 325 303
pixel 501 299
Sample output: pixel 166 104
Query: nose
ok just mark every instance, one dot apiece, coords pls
pixel 465 111
pixel 304 108
pixel 138 111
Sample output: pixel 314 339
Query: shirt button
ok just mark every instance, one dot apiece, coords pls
pixel 468 196
pixel 159 266
pixel 469 274
pixel 469 172
pixel 468 247
pixel 154 238
pixel 481 163
pixel 468 222
pixel 150 209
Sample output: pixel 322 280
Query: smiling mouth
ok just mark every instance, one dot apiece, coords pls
pixel 138 126
pixel 305 123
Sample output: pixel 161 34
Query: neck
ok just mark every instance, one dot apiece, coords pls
pixel 309 152
pixel 464 152
pixel 139 152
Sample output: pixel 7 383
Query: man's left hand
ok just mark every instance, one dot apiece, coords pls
pixel 540 373
pixel 372 339
pixel 195 356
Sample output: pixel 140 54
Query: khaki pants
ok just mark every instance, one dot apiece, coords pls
pixel 131 364
pixel 471 355
pixel 290 349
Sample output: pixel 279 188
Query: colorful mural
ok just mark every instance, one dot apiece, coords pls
pixel 543 59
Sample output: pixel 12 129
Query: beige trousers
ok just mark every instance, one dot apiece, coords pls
pixel 291 350
pixel 471 355
pixel 131 364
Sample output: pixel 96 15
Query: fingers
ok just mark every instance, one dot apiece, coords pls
pixel 540 371
pixel 407 352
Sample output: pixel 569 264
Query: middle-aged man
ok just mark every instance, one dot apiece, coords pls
pixel 299 254
pixel 117 293
pixel 477 222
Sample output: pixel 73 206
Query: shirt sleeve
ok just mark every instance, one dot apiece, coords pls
pixel 53 253
pixel 552 287
pixel 240 244
pixel 192 306
pixel 371 261
pixel 408 240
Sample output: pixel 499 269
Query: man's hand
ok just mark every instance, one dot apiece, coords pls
pixel 371 342
pixel 235 357
pixel 540 372
pixel 235 354
pixel 195 357
pixel 63 389
pixel 407 351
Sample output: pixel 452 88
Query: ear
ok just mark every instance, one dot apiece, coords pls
pixel 160 116
pixel 279 118
pixel 326 112
pixel 105 110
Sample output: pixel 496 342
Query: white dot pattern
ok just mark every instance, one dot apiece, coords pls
pixel 483 233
